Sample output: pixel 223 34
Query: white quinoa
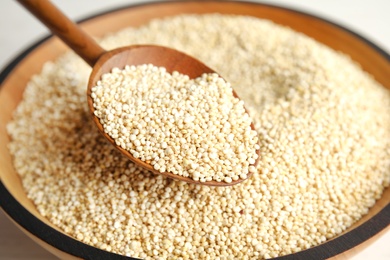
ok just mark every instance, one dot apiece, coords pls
pixel 194 128
pixel 324 132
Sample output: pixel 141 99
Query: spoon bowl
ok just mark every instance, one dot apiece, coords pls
pixel 103 61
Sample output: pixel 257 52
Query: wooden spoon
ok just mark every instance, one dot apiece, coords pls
pixel 103 61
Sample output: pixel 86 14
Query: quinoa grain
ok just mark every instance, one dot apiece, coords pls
pixel 181 122
pixel 324 134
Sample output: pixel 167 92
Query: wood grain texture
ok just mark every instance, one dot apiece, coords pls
pixel 371 59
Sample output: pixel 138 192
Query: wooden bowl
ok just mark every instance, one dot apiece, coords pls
pixel 13 80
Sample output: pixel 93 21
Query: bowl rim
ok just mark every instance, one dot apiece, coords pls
pixel 65 243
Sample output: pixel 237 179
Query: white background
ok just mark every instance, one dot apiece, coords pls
pixel 18 30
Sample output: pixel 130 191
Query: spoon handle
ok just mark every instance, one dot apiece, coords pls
pixel 65 29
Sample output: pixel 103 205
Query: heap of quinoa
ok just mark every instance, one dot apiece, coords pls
pixel 324 133
pixel 195 128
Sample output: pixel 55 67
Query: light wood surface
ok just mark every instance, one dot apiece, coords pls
pixel 13 87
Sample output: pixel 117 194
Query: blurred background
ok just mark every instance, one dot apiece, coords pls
pixel 18 30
